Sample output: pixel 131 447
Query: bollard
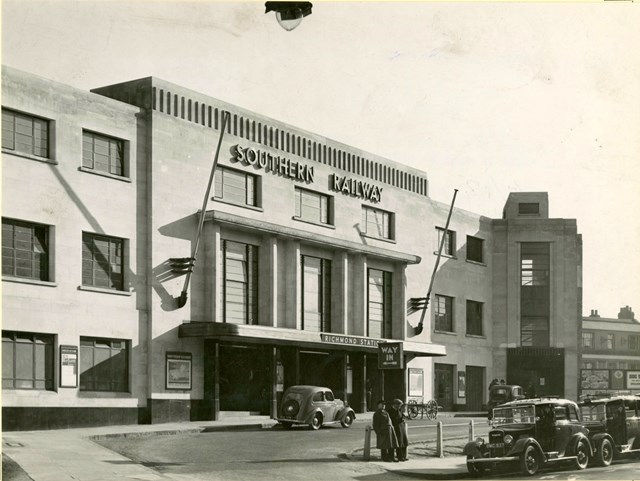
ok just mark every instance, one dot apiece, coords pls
pixel 367 443
pixel 439 444
pixel 472 432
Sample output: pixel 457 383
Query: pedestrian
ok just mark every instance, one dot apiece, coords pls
pixel 493 383
pixel 502 382
pixel 386 440
pixel 400 427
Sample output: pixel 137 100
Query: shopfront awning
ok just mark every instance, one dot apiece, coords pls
pixel 277 336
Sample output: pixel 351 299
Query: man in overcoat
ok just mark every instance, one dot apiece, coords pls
pixel 386 440
pixel 398 418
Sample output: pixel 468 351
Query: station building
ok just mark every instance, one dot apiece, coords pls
pixel 312 257
pixel 610 354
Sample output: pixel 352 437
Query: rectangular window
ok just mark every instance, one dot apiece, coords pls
pixel 379 304
pixel 102 153
pixel 444 313
pixel 587 340
pixel 27 360
pixel 316 294
pixel 474 318
pixel 236 187
pixel 313 207
pixel 104 364
pixel 240 288
pixel 25 134
pixel 449 247
pixel 25 250
pixel 529 208
pixel 608 340
pixel 535 296
pixel 474 249
pixel 634 343
pixel 102 261
pixel 377 223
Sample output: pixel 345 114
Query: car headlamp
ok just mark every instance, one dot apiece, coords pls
pixel 508 439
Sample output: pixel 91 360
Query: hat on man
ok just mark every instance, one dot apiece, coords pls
pixel 397 402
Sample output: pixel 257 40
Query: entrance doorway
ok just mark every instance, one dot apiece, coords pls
pixel 444 374
pixel 244 379
pixel 475 388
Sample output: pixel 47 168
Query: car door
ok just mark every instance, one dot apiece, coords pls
pixel 616 425
pixel 632 420
pixel 330 407
pixel 545 427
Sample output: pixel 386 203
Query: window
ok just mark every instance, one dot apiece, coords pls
pixel 102 153
pixel 529 208
pixel 534 294
pixel 25 250
pixel 104 365
pixel 474 318
pixel 587 340
pixel 102 261
pixel 240 287
pixel 379 304
pixel 449 247
pixel 316 294
pixel 444 313
pixel 27 360
pixel 608 341
pixel 634 342
pixel 313 207
pixel 474 249
pixel 236 187
pixel 25 134
pixel 377 223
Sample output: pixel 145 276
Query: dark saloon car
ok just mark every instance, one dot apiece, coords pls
pixel 530 434
pixel 503 393
pixel 614 426
pixel 315 406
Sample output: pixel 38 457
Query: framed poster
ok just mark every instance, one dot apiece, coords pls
pixel 179 370
pixel 462 384
pixel 416 382
pixel 633 379
pixel 68 366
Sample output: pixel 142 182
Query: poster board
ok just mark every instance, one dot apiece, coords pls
pixel 178 372
pixel 68 366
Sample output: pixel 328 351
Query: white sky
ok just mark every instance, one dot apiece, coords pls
pixel 487 98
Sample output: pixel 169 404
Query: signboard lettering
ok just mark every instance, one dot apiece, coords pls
pixel 350 340
pixel 390 355
pixel 355 188
pixel 274 163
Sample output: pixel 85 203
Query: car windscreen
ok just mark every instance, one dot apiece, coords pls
pixel 592 412
pixel 499 394
pixel 514 415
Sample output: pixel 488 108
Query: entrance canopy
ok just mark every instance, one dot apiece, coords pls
pixel 303 339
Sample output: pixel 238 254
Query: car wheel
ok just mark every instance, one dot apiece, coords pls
pixel 473 468
pixel 290 408
pixel 604 454
pixel 347 421
pixel 582 455
pixel 530 461
pixel 316 423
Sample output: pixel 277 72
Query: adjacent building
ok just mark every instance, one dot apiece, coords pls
pixel 311 263
pixel 610 354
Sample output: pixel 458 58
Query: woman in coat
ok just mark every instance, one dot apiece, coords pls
pixel 400 427
pixel 386 440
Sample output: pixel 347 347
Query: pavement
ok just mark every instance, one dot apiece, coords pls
pixel 70 454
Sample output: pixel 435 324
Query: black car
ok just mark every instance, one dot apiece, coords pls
pixel 531 433
pixel 503 393
pixel 614 426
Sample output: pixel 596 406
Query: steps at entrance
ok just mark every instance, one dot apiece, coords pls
pixel 241 414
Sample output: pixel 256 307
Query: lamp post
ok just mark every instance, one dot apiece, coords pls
pixel 289 14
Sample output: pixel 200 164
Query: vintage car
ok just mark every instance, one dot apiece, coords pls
pixel 315 406
pixel 531 433
pixel 503 393
pixel 614 426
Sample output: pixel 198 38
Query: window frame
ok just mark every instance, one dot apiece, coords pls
pixel 324 294
pixel 45 264
pixel 250 266
pixel 22 153
pixel 449 314
pixel 451 242
pixel 390 223
pixel 219 188
pixel 123 263
pixel 113 379
pixel 474 249
pixel 298 207
pixel 590 337
pixel 386 327
pixel 480 319
pixel 49 360
pixel 524 206
pixel 122 147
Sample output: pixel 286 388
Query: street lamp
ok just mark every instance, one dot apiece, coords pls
pixel 289 14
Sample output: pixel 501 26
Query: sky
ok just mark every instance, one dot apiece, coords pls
pixel 486 98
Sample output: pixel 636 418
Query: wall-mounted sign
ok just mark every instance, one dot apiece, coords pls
pixel 178 370
pixel 350 340
pixel 68 366
pixel 390 355
pixel 355 188
pixel 416 382
pixel 594 379
pixel 633 379
pixel 462 383
pixel 273 163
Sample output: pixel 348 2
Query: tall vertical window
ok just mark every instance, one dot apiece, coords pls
pixel 608 341
pixel 240 283
pixel 102 261
pixel 379 304
pixel 104 364
pixel 449 247
pixel 634 342
pixel 313 207
pixel 587 340
pixel 475 248
pixel 534 294
pixel 25 134
pixel 25 250
pixel 474 318
pixel 377 223
pixel 102 153
pixel 27 360
pixel 236 187
pixel 443 310
pixel 316 294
